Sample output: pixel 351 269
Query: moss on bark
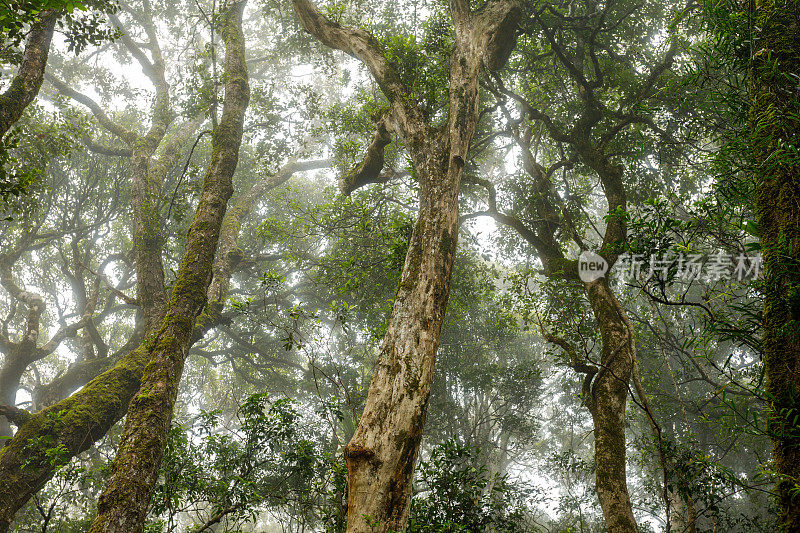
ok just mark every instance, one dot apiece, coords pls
pixel 775 137
pixel 123 505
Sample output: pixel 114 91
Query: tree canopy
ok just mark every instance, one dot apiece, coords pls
pixel 424 266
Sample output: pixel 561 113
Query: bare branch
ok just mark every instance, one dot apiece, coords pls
pixel 121 295
pixel 124 134
pixel 134 49
pixel 105 150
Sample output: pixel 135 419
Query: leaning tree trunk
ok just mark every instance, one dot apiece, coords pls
pixel 75 423
pixel 775 136
pixel 607 405
pixel 122 507
pixel 72 425
pixel 26 83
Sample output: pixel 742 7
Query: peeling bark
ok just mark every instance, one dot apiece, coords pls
pixel 382 454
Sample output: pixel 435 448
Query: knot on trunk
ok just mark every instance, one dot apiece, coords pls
pixel 357 451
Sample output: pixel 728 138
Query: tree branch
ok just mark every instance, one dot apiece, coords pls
pixel 363 46
pixel 26 83
pixel 15 415
pixel 369 171
pixel 124 134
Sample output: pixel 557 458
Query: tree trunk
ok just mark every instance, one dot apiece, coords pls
pixel 607 405
pixel 122 507
pixel 73 424
pixel 682 516
pixel 382 454
pixel 25 85
pixel 10 375
pixel 775 128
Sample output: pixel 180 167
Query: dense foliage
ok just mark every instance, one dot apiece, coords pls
pixel 628 131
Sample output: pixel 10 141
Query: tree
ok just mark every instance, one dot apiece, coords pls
pixel 382 453
pixel 119 383
pixel 774 126
pixel 35 23
pixel 563 132
pixel 123 505
pixel 25 85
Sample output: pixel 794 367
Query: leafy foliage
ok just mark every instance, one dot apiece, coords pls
pixel 460 494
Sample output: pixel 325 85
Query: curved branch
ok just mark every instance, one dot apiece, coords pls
pixel 124 134
pixel 369 171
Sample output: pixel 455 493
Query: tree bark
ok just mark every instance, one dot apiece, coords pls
pixel 607 401
pixel 26 83
pixel 382 454
pixel 774 136
pixel 72 424
pixel 383 451
pixel 85 417
pixel 123 505
pixel 96 407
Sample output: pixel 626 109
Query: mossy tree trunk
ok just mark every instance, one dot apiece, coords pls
pixel 26 83
pixel 72 425
pixel 775 134
pixel 382 454
pixel 607 404
pixel 96 407
pixel 75 423
pixel 123 505
pixel 383 451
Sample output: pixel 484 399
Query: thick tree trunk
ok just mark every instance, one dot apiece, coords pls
pixel 25 85
pixel 607 405
pixel 73 424
pixel 382 454
pixel 122 507
pixel 775 131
